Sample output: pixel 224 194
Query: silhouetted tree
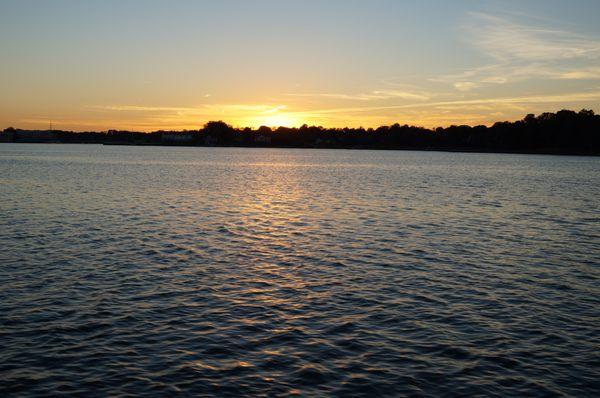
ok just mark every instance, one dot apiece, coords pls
pixel 219 131
pixel 562 132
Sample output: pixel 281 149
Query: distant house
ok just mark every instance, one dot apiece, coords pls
pixel 35 136
pixel 176 138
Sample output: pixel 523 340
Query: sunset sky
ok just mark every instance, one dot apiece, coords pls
pixel 147 65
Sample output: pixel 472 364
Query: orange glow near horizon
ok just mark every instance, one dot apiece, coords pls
pixel 374 66
pixel 428 115
pixel 278 120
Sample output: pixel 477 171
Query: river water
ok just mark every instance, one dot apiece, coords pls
pixel 273 272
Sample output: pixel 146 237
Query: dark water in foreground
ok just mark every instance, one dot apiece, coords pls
pixel 166 271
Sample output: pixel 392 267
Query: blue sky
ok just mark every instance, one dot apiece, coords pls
pixel 177 64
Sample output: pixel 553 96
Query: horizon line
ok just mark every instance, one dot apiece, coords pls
pixel 52 125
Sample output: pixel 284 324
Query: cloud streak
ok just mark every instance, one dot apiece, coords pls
pixel 508 41
pixel 201 109
pixel 428 113
pixel 522 100
pixel 371 96
pixel 524 52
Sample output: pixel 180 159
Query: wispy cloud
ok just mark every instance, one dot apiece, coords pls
pixel 428 113
pixel 522 52
pixel 581 73
pixel 371 96
pixel 536 99
pixel 466 86
pixel 137 108
pixel 201 109
pixel 509 41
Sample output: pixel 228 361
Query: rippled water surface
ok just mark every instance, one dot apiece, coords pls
pixel 270 272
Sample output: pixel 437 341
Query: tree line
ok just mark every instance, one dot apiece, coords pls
pixel 565 131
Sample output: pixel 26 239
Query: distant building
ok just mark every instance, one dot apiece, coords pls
pixel 36 136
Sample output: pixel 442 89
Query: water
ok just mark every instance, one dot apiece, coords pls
pixel 270 272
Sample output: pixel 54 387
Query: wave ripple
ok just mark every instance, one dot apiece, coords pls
pixel 232 272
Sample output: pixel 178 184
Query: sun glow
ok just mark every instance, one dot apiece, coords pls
pixel 278 120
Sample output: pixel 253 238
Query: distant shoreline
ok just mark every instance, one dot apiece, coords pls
pixel 562 133
pixel 449 150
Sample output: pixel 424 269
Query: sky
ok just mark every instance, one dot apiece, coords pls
pixel 147 65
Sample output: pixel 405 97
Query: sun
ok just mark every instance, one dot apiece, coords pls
pixel 279 120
